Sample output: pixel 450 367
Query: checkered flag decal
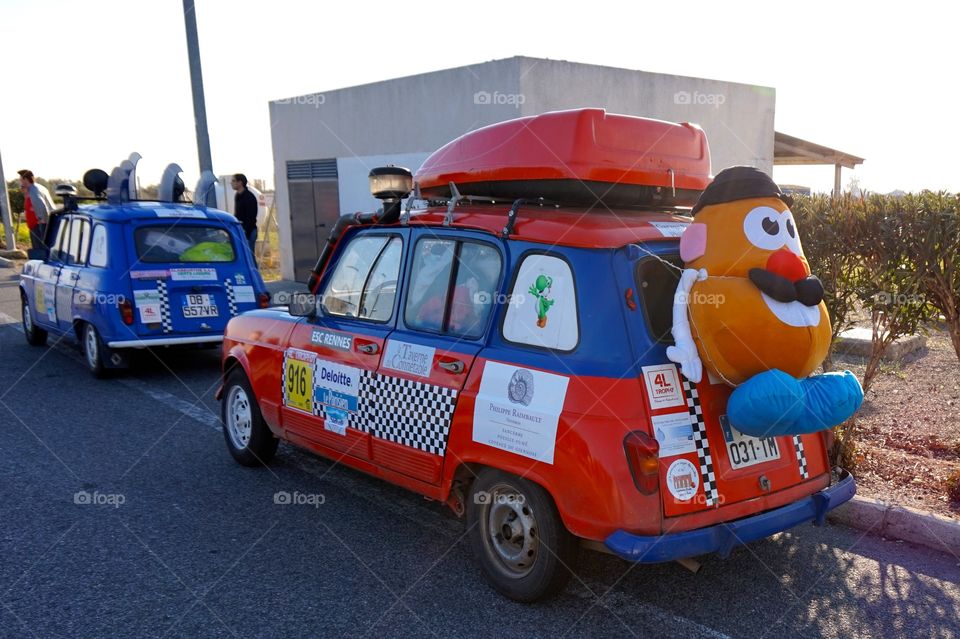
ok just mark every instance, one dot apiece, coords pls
pixel 707 470
pixel 165 320
pixel 411 413
pixel 801 456
pixel 231 298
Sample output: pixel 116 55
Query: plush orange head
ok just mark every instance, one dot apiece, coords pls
pixel 759 308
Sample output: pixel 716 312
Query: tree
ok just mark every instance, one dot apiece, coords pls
pixel 933 231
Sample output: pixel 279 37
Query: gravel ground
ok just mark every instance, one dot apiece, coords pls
pixel 908 433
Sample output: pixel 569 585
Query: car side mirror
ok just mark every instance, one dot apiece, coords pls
pixel 38 253
pixel 302 305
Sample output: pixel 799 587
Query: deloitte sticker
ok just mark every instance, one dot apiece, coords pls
pixel 683 480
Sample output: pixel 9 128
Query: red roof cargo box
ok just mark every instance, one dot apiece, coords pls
pixel 575 156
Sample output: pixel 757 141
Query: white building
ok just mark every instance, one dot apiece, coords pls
pixel 325 143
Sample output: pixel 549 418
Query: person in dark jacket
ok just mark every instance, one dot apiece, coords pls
pixel 245 208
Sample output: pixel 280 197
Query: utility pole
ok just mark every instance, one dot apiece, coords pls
pixel 196 84
pixel 5 212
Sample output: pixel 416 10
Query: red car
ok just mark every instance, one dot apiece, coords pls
pixel 503 350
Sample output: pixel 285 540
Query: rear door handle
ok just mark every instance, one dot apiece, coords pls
pixel 369 349
pixel 454 366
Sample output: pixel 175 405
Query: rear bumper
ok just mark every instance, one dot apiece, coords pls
pixel 722 538
pixel 165 341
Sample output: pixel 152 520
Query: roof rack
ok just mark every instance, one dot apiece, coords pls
pixel 515 209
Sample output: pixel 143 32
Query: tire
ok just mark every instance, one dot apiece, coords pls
pixel 35 335
pixel 93 351
pixel 536 559
pixel 248 437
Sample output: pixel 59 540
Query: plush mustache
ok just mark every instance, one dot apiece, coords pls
pixel 808 291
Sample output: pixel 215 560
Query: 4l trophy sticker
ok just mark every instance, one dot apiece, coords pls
pixel 540 289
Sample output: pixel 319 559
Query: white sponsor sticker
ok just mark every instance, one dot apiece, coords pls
pixel 669 229
pixel 50 298
pixel 683 480
pixel 517 410
pixel 415 359
pixel 188 213
pixel 663 386
pixel 153 274
pixel 182 274
pixel 244 295
pixel 674 433
pixel 336 421
pixel 148 305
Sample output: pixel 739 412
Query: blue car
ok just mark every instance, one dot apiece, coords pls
pixel 123 274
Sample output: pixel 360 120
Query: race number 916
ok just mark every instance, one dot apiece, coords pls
pixel 298 382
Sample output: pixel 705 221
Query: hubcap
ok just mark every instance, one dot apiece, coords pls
pixel 90 346
pixel 512 535
pixel 239 417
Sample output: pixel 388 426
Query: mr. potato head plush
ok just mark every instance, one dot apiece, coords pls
pixel 748 310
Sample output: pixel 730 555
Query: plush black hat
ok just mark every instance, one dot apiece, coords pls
pixel 739 183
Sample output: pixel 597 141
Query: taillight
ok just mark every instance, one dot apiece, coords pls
pixel 263 300
pixel 643 457
pixel 126 311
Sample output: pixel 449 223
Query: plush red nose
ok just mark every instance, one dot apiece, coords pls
pixel 786 264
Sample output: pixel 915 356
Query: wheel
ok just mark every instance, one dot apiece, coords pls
pixel 35 335
pixel 523 547
pixel 248 437
pixel 93 351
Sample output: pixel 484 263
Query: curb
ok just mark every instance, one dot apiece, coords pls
pixel 5 262
pixel 900 522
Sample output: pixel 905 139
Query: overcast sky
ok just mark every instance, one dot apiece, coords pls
pixel 87 82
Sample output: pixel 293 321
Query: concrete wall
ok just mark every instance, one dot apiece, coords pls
pixel 408 118
pixel 354 183
pixel 737 118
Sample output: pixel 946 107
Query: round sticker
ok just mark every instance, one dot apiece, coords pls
pixel 683 480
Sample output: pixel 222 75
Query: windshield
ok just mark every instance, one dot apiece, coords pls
pixel 183 243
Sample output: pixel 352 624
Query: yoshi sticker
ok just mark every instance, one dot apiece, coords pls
pixel 542 307
pixel 540 289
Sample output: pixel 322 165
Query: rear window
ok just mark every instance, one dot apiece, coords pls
pixel 657 283
pixel 183 243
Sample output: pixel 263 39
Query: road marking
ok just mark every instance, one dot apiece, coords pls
pixel 627 603
pixel 197 412
pixel 411 510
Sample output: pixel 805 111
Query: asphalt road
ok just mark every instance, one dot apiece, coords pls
pixel 178 540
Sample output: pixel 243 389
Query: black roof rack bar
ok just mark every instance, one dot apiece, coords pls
pixel 512 215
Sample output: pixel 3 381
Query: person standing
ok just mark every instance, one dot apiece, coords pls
pixel 37 205
pixel 245 208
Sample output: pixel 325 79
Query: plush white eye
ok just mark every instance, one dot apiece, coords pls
pixel 792 238
pixel 766 228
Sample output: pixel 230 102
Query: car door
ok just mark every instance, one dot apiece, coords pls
pixel 331 357
pixel 48 275
pixel 72 260
pixel 447 307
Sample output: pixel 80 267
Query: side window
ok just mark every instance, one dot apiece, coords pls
pixel 429 281
pixel 345 294
pixel 543 305
pixel 84 241
pixel 380 291
pixel 657 283
pixel 73 250
pixel 452 287
pixel 58 251
pixel 98 246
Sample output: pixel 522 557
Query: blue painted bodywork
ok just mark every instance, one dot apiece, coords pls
pixel 722 538
pixel 63 293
